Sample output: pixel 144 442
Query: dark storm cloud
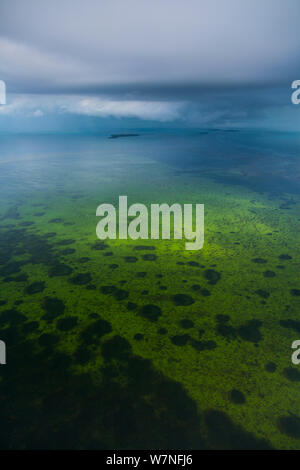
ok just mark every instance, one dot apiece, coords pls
pixel 142 48
pixel 218 63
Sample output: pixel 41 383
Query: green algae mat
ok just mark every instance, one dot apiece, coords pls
pixel 142 344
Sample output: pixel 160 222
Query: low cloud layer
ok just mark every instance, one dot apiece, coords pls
pixel 39 105
pixel 264 108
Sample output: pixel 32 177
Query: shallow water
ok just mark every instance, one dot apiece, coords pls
pixel 143 344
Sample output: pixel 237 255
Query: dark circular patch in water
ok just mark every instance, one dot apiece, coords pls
pixel 259 260
pixel 93 332
pixel 84 259
pixel 54 307
pixel 289 323
pixel 212 276
pixel 196 287
pixel 149 257
pixel 20 278
pixel 11 268
pixel 205 292
pixel 116 348
pixel 30 327
pixel 35 287
pixel 138 337
pixel 141 274
pixel 182 300
pixel 144 247
pixel 292 374
pixel 94 315
pixel 203 345
pixel 151 312
pixel 180 340
pixel 195 264
pixel 227 331
pixel 131 306
pixel 269 274
pixel 237 397
pixel 290 425
pixel 11 335
pixel 162 331
pixel 262 293
pixel 295 292
pixel 67 241
pixel 26 224
pixel 113 266
pixel 250 331
pixel 91 287
pixel 99 245
pixel 67 323
pixel 48 339
pixel 68 251
pixel 81 278
pixel 221 318
pixel 11 316
pixel 57 220
pixel 121 294
pixel 49 235
pixel 130 259
pixel 60 269
pixel 270 367
pixel 186 324
pixel 106 290
pixel 285 257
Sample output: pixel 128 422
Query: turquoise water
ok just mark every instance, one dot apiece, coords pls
pixel 143 344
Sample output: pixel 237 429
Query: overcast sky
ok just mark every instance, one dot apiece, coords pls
pixel 111 56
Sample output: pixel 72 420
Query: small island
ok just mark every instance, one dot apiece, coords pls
pixel 116 136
